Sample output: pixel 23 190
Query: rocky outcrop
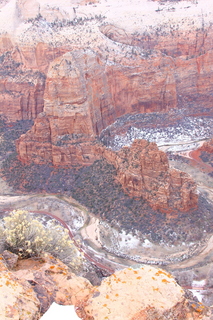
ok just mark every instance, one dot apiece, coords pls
pixel 143 171
pixel 21 89
pixel 82 87
pixel 52 281
pixel 207 146
pixel 18 300
pixel 130 294
pixel 23 77
pixel 80 96
pixel 153 293
pixel 21 99
pixel 49 141
pixel 166 64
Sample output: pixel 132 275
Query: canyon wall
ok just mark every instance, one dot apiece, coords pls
pixel 154 66
pixel 77 68
pixel 143 171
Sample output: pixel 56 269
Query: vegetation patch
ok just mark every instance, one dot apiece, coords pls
pixel 96 188
pixel 27 237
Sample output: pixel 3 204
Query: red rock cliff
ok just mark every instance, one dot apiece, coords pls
pixel 155 65
pixel 143 170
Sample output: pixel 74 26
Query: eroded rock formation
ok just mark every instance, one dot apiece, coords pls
pixel 18 300
pixel 52 281
pixel 77 72
pixel 130 294
pixel 143 170
pixel 147 66
pixel 207 146
pixel 21 89
pixel 153 293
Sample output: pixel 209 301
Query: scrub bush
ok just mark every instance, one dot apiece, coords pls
pixel 27 237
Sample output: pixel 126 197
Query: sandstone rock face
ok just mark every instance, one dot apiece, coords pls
pixel 92 94
pixel 153 293
pixel 21 99
pixel 207 146
pixel 52 281
pixel 131 294
pixel 131 69
pixel 50 141
pixel 143 170
pixel 18 300
pixel 22 78
pixel 83 95
pixel 125 78
pixel 21 89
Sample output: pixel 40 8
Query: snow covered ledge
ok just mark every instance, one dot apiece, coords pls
pixel 57 311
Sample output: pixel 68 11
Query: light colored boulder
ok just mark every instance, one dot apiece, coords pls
pixel 18 301
pixel 52 281
pixel 145 293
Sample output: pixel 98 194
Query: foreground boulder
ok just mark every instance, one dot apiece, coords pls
pixel 18 300
pixel 145 293
pixel 140 294
pixel 52 281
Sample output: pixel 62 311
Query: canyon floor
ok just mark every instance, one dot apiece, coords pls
pixel 182 243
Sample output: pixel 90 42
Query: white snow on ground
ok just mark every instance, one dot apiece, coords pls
pixel 137 15
pixel 128 240
pixel 57 311
pixel 8 17
pixel 197 288
pixel 197 293
pixel 131 15
pixel 198 284
pixel 190 130
pixel 147 244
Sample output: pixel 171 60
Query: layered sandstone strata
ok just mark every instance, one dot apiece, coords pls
pixel 21 89
pixel 147 66
pixel 143 170
pixel 18 300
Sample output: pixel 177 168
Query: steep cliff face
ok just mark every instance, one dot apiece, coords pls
pixel 149 65
pixel 21 89
pixel 49 141
pixel 91 93
pixel 143 170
